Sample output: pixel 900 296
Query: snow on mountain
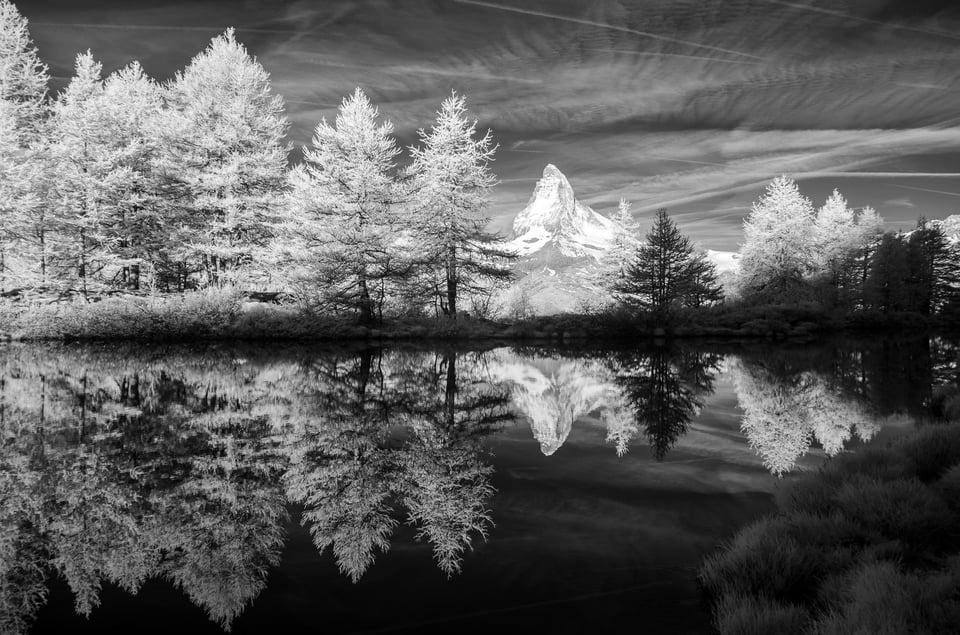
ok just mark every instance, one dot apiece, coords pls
pixel 553 394
pixel 554 217
pixel 560 242
pixel 724 261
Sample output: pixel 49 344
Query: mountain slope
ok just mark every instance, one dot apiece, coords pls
pixel 561 242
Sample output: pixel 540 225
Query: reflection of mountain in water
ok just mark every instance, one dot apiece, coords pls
pixel 122 465
pixel 553 393
pixel 655 393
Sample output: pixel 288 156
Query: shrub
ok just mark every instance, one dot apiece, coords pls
pixel 747 615
pixel 902 509
pixel 933 450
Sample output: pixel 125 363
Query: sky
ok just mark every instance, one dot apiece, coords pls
pixel 690 105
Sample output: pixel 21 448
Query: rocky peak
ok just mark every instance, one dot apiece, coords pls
pixel 555 217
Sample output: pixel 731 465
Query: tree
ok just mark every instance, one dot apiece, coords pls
pixel 705 288
pixel 886 284
pixel 23 91
pixel 665 391
pixel 869 229
pixel 79 151
pixel 451 181
pixel 134 229
pixel 225 146
pixel 665 274
pixel 342 227
pixel 834 238
pixel 777 252
pixel 626 239
pixel 934 268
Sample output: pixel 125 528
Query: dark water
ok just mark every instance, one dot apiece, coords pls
pixel 271 488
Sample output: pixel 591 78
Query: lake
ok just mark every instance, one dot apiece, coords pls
pixel 264 488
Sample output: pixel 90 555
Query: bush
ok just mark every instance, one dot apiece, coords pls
pixel 832 561
pixel 748 615
pixel 933 450
pixel 879 599
pixel 902 509
pixel 195 314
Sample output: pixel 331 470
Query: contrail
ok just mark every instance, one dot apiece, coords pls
pixel 680 55
pixel 883 175
pixel 847 16
pixel 923 189
pixel 162 27
pixel 603 25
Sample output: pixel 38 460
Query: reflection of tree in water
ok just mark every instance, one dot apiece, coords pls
pixel 121 467
pixel 445 483
pixel 786 409
pixel 401 427
pixel 663 390
pixel 125 470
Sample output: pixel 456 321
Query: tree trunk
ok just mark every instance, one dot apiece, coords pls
pixel 366 302
pixel 452 282
pixel 450 396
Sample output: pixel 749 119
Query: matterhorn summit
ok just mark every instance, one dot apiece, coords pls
pixel 554 218
pixel 560 243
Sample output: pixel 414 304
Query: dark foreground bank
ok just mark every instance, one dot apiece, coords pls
pixel 869 544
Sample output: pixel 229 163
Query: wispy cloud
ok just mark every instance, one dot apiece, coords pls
pixel 612 27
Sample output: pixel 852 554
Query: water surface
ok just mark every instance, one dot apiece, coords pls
pixel 263 488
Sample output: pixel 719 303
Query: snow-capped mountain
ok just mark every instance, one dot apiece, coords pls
pixel 554 218
pixel 553 394
pixel 560 242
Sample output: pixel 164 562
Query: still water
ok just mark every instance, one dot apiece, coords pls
pixel 272 488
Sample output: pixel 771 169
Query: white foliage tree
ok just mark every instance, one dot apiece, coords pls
pixel 23 89
pixel 834 236
pixel 78 149
pixel 225 145
pixel 777 252
pixel 626 241
pixel 132 229
pixel 451 184
pixel 341 235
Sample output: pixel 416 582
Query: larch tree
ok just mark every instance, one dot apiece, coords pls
pixel 834 238
pixel 342 228
pixel 23 91
pixel 869 230
pixel 133 230
pixel 777 252
pixel 665 273
pixel 451 181
pixel 626 239
pixel 225 146
pixel 78 149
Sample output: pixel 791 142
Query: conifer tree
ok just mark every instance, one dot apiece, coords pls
pixel 886 285
pixel 452 180
pixel 342 230
pixel 834 238
pixel 78 149
pixel 777 249
pixel 665 273
pixel 23 89
pixel 225 146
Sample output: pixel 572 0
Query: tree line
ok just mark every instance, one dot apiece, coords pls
pixel 123 183
pixel 842 258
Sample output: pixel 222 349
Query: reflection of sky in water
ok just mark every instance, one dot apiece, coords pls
pixel 249 478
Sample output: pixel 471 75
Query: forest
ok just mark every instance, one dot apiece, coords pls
pixel 171 203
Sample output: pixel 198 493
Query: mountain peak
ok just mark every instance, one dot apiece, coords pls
pixel 550 171
pixel 554 216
